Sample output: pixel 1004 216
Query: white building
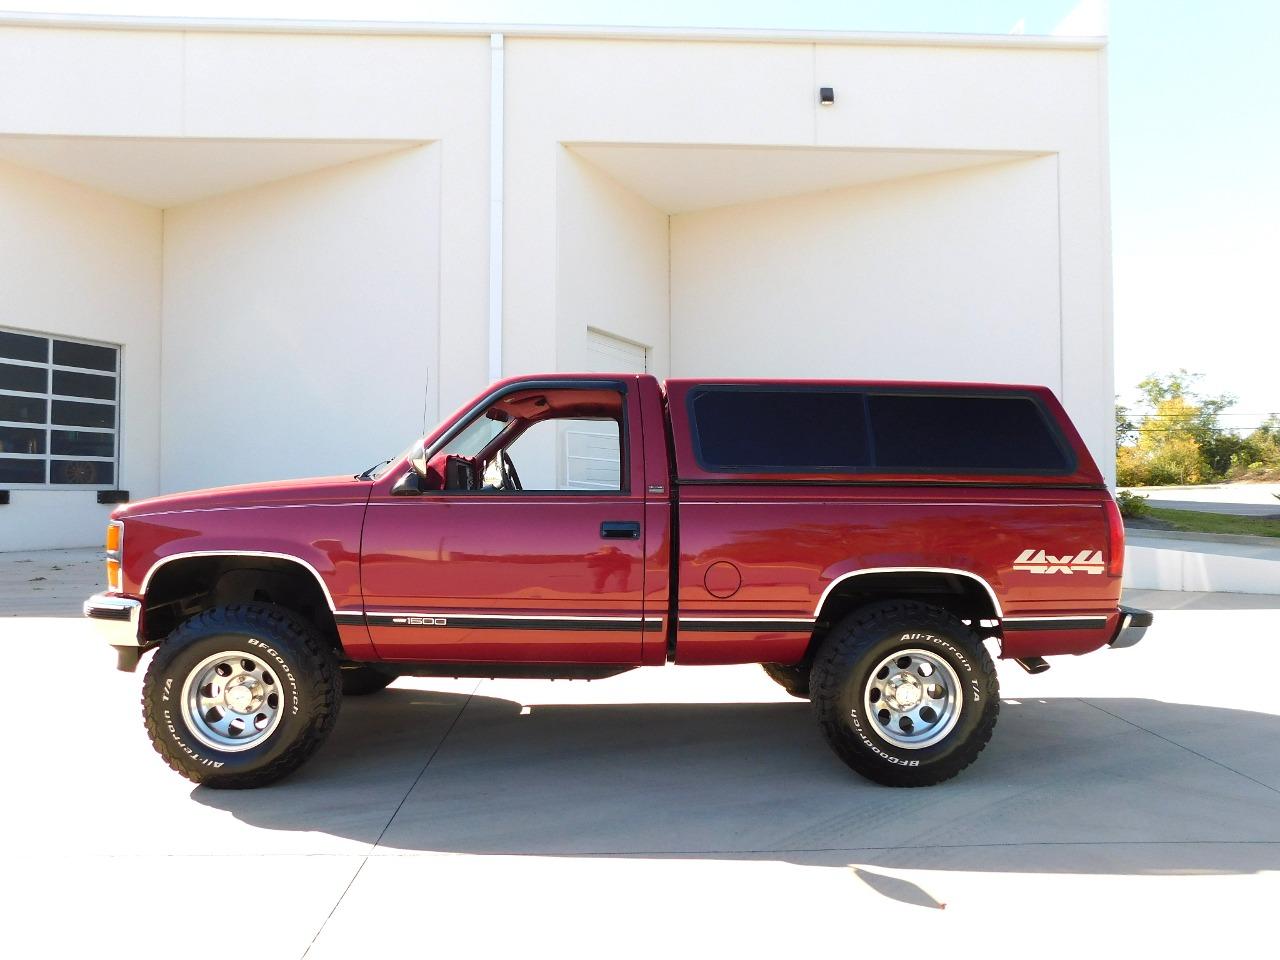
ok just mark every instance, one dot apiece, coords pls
pixel 304 244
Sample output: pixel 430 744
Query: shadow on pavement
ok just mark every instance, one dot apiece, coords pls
pixel 1065 786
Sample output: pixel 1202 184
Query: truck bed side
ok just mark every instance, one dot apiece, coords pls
pixel 761 566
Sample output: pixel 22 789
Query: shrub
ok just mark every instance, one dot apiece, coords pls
pixel 1132 504
pixel 1258 457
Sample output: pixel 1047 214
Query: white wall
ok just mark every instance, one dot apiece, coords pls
pixel 587 91
pixel 263 286
pixel 890 96
pixel 271 86
pixel 80 263
pixel 952 276
pixel 1200 565
pixel 415 87
pixel 612 267
pixel 301 323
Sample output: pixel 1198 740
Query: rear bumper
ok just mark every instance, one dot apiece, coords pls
pixel 117 620
pixel 1133 624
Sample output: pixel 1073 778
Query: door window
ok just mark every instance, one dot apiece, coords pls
pixel 573 453
pixel 542 440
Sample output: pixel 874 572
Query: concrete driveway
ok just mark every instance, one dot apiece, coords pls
pixel 1130 801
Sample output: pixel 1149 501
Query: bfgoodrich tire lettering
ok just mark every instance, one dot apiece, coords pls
pixel 303 677
pixel 844 670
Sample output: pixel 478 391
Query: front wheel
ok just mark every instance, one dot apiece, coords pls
pixel 791 677
pixel 241 695
pixel 905 693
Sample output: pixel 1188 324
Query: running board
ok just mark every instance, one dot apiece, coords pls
pixel 504 671
pixel 1033 665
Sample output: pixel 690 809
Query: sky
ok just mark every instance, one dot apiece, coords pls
pixel 1194 133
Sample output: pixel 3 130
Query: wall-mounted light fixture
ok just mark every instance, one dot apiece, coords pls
pixel 826 96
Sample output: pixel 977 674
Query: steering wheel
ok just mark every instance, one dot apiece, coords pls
pixel 509 474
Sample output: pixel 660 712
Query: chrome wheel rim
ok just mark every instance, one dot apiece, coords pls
pixel 231 701
pixel 913 699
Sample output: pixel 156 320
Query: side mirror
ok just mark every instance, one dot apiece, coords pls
pixel 418 458
pixel 410 485
pixel 424 475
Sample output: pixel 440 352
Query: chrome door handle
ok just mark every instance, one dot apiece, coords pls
pixel 620 530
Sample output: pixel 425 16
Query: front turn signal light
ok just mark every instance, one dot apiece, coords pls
pixel 115 549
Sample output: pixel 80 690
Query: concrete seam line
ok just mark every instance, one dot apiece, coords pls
pixel 1136 536
pixel 418 779
pixel 334 908
pixel 1182 746
pixel 387 826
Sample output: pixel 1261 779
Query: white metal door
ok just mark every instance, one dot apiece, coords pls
pixel 609 354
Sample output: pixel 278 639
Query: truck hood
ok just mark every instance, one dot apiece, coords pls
pixel 341 489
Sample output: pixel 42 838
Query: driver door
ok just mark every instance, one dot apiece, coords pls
pixel 551 573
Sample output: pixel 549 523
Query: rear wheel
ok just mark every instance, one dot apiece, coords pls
pixel 791 677
pixel 362 681
pixel 905 693
pixel 240 695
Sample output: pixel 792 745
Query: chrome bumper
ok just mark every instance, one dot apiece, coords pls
pixel 118 621
pixel 1133 624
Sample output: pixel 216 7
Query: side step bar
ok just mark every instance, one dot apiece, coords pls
pixel 1033 665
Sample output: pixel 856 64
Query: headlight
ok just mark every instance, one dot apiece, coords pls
pixel 115 550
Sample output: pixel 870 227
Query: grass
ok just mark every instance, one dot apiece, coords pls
pixel 1193 521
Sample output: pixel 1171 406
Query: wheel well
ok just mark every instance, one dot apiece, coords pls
pixel 185 587
pixel 964 596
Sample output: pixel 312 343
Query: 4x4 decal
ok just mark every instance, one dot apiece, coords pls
pixel 1037 561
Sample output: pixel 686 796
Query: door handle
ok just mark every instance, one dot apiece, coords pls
pixel 620 530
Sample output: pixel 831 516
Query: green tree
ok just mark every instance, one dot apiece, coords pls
pixel 1179 438
pixel 1259 455
pixel 1125 427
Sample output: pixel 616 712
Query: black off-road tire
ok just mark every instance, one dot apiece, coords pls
pixel 842 671
pixel 791 677
pixel 305 677
pixel 363 681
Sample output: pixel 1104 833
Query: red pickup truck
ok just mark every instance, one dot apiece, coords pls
pixel 868 543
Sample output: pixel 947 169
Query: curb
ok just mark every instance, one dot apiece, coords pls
pixel 1141 533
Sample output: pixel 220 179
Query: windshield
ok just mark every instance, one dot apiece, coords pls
pixel 466 444
pixel 475 437
pixel 378 469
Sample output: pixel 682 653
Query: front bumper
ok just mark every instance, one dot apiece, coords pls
pixel 1133 624
pixel 118 621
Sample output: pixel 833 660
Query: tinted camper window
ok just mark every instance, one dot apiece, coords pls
pixel 779 431
pixel 928 434
pixel 801 430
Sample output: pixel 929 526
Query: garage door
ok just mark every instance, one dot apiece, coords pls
pixel 592 460
pixel 608 354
